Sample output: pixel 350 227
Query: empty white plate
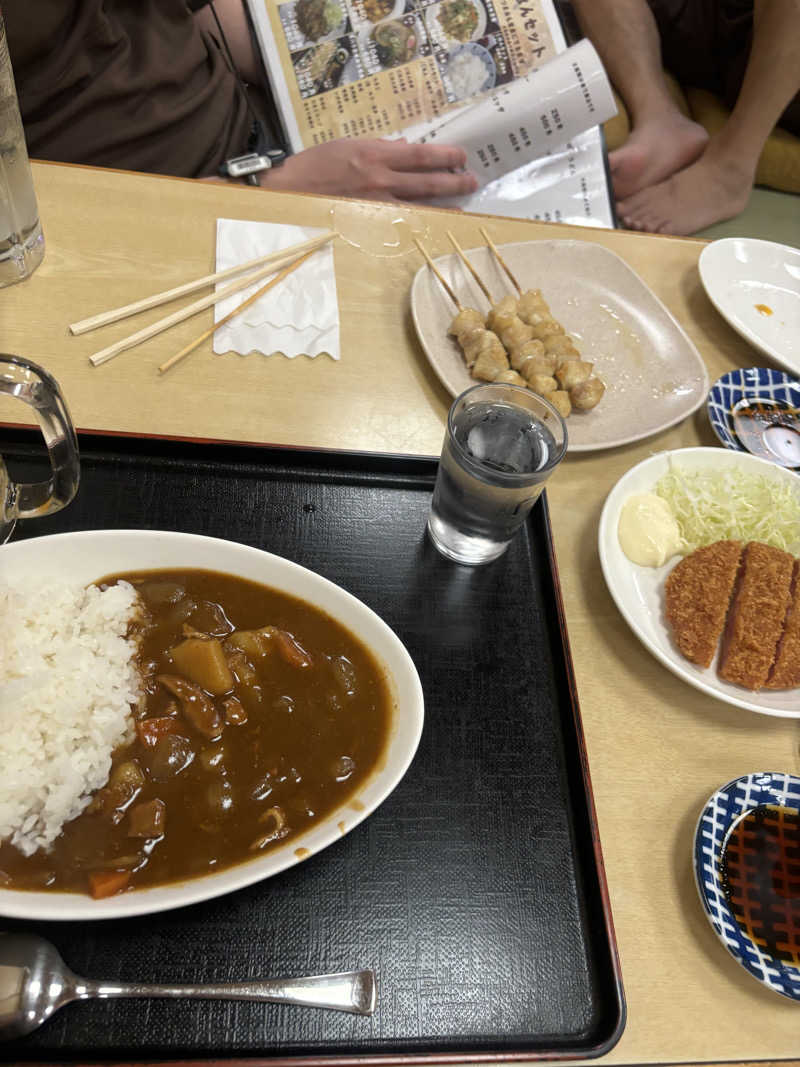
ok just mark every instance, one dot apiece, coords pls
pixel 755 286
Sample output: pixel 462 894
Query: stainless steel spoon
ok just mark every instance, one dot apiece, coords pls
pixel 35 982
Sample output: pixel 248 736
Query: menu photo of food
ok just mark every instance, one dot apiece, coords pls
pixel 308 22
pixel 364 14
pixel 474 67
pixel 392 42
pixel 450 23
pixel 327 65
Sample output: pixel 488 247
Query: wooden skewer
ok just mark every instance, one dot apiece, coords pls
pixel 191 309
pixel 433 267
pixel 500 259
pixel 469 266
pixel 232 314
pixel 115 314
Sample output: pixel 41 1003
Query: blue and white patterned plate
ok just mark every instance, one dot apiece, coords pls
pixel 719 817
pixel 758 410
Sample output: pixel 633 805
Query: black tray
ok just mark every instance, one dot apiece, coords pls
pixel 476 891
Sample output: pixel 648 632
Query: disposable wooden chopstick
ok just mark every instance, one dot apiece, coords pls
pixel 191 309
pixel 433 267
pixel 469 266
pixel 184 352
pixel 115 314
pixel 500 259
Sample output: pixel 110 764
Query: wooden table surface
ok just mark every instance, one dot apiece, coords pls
pixel 657 747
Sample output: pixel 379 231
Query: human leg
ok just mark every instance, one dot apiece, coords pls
pixel 662 138
pixel 717 185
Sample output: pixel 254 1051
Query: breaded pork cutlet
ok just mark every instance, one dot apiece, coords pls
pixel 757 614
pixel 785 673
pixel 698 592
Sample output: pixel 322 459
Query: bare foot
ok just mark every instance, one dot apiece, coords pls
pixel 708 191
pixel 655 149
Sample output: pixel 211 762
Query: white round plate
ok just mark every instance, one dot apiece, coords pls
pixel 653 373
pixel 639 591
pixel 90 555
pixel 437 32
pixel 755 286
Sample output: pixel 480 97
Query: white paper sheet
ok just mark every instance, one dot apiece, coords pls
pixel 531 117
pixel 300 316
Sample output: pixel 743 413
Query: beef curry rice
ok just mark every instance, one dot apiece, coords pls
pixel 260 716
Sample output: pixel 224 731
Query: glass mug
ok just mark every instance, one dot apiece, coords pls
pixel 34 386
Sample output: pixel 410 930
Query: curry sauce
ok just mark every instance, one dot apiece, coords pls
pixel 261 715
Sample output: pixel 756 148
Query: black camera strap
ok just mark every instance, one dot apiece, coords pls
pixel 262 152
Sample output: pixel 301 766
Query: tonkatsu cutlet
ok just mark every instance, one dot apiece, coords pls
pixel 785 673
pixel 698 591
pixel 757 615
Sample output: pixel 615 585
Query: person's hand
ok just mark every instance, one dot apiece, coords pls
pixel 374 170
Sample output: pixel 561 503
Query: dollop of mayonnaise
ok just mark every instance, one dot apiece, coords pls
pixel 648 531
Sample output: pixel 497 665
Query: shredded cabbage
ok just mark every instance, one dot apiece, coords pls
pixel 712 505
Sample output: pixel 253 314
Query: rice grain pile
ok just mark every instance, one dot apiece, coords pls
pixel 67 682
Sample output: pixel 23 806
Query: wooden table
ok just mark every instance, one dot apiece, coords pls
pixel 657 747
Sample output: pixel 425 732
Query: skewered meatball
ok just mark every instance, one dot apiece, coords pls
pixel 545 327
pixel 506 305
pixel 542 384
pixel 489 364
pixel 515 335
pixel 560 401
pixel 467 319
pixel 531 307
pixel 482 343
pixel 586 394
pixel 560 345
pixel 510 377
pixel 572 372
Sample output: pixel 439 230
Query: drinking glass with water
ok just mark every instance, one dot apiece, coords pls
pixel 21 240
pixel 501 445
pixel 26 381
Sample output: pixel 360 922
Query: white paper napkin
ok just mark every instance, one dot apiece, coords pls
pixel 300 316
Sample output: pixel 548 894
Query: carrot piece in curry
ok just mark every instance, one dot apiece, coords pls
pixel 107 883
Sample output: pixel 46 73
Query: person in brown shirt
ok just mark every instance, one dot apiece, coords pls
pixel 144 85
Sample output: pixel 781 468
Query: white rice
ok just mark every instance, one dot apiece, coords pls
pixel 467 74
pixel 67 683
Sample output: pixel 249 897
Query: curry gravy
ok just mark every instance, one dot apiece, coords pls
pixel 290 716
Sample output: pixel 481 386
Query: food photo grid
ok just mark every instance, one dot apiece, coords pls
pixel 335 42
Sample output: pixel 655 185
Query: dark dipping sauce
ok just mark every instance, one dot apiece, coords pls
pixel 220 773
pixel 760 874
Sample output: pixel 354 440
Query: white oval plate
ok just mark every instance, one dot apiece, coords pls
pixel 654 375
pixel 90 555
pixel 740 273
pixel 639 591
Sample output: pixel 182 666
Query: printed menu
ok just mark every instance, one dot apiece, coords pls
pixel 435 70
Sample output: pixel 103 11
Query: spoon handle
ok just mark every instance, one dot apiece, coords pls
pixel 352 991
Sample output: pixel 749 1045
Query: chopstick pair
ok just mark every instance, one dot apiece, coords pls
pixel 184 352
pixel 283 260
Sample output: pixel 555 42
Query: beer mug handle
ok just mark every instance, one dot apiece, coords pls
pixel 30 383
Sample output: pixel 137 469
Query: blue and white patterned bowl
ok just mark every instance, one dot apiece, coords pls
pixel 723 810
pixel 774 390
